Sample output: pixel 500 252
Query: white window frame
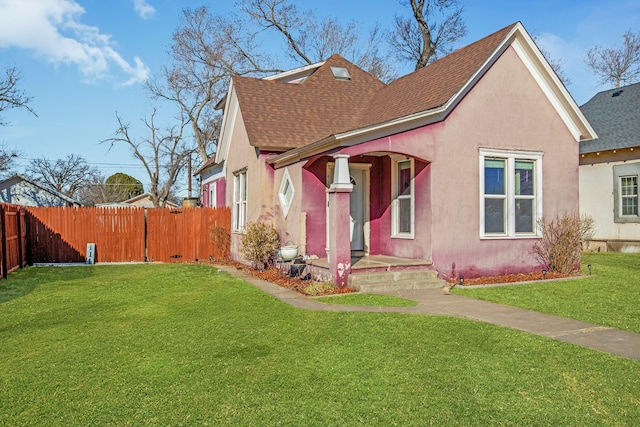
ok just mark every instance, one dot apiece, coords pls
pixel 213 194
pixel 239 201
pixel 396 197
pixel 285 202
pixel 510 158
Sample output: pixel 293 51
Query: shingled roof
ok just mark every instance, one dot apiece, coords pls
pixel 279 116
pixel 432 86
pixel 615 116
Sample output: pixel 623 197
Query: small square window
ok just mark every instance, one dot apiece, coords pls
pixel 286 192
pixel 341 73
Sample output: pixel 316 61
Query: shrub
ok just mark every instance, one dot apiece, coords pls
pixel 260 244
pixel 559 249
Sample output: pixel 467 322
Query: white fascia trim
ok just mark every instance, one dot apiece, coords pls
pixel 552 87
pixel 231 108
pixel 291 73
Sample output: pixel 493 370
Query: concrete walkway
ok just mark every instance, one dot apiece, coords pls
pixel 436 301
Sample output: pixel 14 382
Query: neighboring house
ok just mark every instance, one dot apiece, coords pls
pixel 610 168
pixel 142 200
pixel 451 165
pixel 19 190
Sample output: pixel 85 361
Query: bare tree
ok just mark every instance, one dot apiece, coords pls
pixel 66 176
pixel 309 39
pixel 556 63
pixel 204 54
pixel 10 94
pixel 436 26
pixel 616 65
pixel 163 153
pixel 208 49
pixel 7 158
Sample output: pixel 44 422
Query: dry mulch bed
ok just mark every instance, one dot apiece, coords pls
pixel 280 278
pixel 508 278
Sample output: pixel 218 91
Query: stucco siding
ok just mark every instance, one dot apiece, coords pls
pixel 505 110
pixel 242 156
pixel 597 201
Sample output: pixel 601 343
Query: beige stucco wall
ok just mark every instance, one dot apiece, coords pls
pixel 260 187
pixel 596 200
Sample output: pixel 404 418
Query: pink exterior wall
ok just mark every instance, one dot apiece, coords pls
pixel 220 185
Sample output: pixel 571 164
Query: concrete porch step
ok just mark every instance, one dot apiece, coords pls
pixel 384 281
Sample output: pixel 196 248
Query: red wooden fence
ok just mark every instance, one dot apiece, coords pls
pixel 12 239
pixel 176 235
pixel 61 234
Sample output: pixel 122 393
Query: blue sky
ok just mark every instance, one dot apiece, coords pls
pixel 83 60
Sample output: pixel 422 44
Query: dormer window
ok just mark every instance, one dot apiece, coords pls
pixel 340 73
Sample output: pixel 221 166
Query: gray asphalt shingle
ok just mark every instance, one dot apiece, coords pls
pixel 616 119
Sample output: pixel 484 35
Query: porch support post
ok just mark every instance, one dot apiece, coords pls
pixel 340 222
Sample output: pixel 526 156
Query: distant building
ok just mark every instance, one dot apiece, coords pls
pixel 610 169
pixel 141 201
pixel 19 190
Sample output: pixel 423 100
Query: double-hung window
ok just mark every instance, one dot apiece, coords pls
pixel 625 192
pixel 403 198
pixel 510 193
pixel 239 201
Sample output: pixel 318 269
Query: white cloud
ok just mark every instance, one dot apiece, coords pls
pixel 54 31
pixel 144 9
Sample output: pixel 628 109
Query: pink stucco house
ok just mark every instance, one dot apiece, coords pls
pixel 446 169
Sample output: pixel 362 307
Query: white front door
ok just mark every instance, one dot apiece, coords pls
pixel 356 209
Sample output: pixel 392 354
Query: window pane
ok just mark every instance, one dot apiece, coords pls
pixel 524 216
pixel 243 178
pixel 629 185
pixel 494 215
pixel 524 178
pixel 404 214
pixel 629 206
pixel 404 178
pixel 494 176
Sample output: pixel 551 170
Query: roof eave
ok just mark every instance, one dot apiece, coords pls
pixel 357 136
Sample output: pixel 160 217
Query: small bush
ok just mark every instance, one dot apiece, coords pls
pixel 559 249
pixel 260 244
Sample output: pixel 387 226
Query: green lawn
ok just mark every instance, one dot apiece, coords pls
pixel 611 297
pixel 171 345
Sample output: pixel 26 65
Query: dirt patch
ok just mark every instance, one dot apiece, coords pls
pixel 509 278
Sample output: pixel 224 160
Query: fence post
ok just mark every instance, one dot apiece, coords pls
pixel 3 243
pixel 19 218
